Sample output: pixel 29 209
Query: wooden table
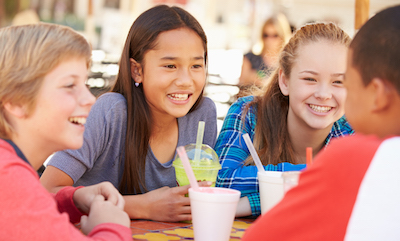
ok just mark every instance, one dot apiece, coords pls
pixel 165 231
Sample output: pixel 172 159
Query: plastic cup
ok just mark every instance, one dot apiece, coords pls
pixel 213 212
pixel 204 169
pixel 271 189
pixel 290 180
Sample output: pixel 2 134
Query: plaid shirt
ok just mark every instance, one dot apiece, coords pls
pixel 233 152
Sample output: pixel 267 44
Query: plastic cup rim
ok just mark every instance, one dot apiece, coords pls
pixel 233 191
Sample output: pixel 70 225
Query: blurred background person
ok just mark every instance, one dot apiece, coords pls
pixel 27 16
pixel 275 32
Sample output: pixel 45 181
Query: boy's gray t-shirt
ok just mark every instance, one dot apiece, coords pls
pixel 101 158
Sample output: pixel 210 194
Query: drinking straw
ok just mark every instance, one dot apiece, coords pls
pixel 308 156
pixel 199 140
pixel 188 169
pixel 253 153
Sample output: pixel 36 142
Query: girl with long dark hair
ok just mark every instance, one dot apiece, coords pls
pixel 155 105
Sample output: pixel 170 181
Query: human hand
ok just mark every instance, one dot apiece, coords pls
pixel 205 184
pixel 170 204
pixel 83 197
pixel 103 211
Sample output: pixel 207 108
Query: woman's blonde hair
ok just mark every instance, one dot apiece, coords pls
pixel 271 135
pixel 282 26
pixel 27 54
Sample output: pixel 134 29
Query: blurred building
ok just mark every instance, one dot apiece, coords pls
pixel 232 28
pixel 229 24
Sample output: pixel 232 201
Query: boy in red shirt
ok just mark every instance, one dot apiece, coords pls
pixel 44 103
pixel 351 191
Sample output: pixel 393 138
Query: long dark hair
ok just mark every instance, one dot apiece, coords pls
pixel 141 38
pixel 271 135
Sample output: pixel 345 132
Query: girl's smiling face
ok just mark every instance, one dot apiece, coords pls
pixel 315 86
pixel 173 74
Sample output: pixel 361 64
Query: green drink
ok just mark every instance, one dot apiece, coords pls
pixel 205 168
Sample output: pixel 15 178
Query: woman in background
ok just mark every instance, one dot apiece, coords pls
pixel 256 67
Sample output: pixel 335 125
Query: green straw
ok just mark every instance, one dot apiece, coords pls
pixel 199 140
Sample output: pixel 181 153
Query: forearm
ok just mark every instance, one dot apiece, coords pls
pixel 136 206
pixel 249 205
pixel 246 182
pixel 243 208
pixel 65 203
pixel 163 204
pixel 243 179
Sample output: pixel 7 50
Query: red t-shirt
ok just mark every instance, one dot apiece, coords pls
pixel 350 192
pixel 29 212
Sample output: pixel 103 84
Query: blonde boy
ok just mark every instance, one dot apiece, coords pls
pixel 43 107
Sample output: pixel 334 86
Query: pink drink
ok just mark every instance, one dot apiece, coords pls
pixel 217 190
pixel 213 212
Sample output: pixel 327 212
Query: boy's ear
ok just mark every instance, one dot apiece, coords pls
pixel 16 110
pixel 382 94
pixel 283 83
pixel 136 71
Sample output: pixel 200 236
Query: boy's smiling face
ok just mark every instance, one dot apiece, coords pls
pixel 63 104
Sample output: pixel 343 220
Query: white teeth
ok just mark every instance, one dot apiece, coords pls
pixel 78 120
pixel 178 96
pixel 318 108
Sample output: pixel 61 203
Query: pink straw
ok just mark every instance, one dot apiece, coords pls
pixel 188 169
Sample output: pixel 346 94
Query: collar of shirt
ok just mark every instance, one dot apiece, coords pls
pixel 18 151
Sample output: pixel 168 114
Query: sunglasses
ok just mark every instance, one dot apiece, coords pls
pixel 265 35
